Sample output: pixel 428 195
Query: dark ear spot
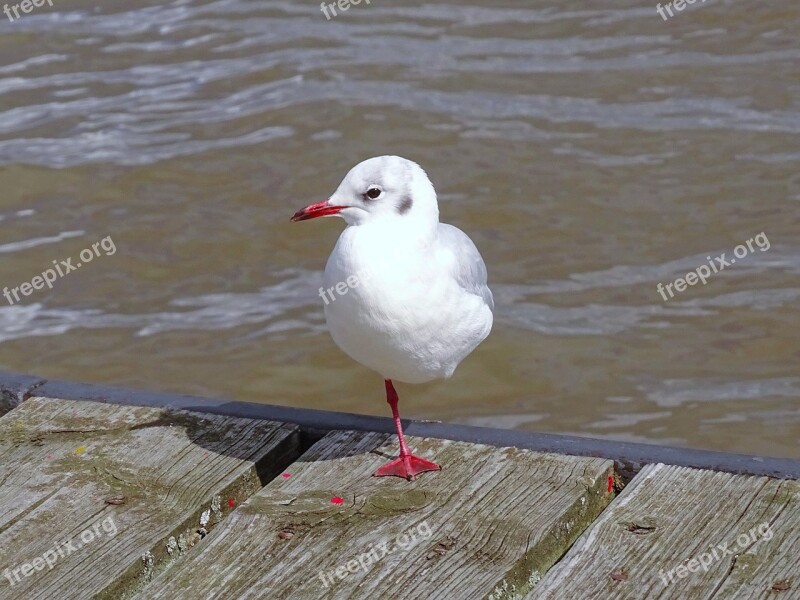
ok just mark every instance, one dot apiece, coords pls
pixel 405 205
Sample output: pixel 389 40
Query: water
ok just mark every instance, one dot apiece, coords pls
pixel 591 153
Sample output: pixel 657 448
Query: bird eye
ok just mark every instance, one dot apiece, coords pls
pixel 374 192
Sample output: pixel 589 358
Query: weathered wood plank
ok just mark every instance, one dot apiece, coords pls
pixel 137 479
pixel 676 532
pixel 488 524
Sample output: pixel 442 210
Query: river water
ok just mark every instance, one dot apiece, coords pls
pixel 591 151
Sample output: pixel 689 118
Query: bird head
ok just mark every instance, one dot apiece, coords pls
pixel 384 187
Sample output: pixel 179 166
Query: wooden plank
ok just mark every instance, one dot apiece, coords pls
pixel 136 479
pixel 629 457
pixel 676 532
pixel 491 522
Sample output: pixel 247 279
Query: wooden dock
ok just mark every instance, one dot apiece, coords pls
pixel 108 493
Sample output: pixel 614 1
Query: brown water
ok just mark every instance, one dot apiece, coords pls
pixel 591 153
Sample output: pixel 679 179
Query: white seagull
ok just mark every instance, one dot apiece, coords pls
pixel 405 295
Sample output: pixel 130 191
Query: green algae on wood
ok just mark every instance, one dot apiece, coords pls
pixel 674 533
pixel 496 517
pixel 149 475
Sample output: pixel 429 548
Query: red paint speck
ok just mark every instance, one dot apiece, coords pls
pixel 286 475
pixel 336 500
pixel 610 483
pixel 231 503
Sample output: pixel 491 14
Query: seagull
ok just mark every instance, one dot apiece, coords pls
pixel 405 295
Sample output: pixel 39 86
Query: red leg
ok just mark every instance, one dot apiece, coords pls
pixel 407 465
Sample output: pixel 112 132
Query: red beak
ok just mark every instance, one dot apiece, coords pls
pixel 320 209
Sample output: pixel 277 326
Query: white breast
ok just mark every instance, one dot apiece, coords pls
pixel 412 311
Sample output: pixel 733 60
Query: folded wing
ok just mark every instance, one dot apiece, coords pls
pixel 464 262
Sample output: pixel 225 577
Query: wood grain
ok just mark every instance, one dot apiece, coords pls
pixel 496 519
pixel 137 479
pixel 745 530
